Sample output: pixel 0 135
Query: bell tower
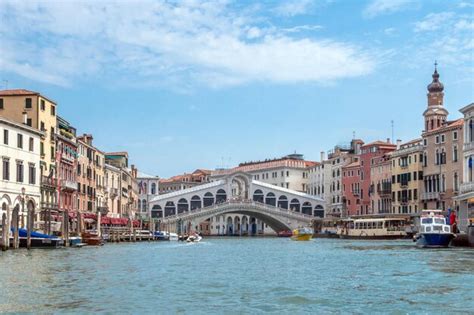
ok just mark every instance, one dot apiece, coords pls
pixel 435 115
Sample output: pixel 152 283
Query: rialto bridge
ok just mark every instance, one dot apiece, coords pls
pixel 279 208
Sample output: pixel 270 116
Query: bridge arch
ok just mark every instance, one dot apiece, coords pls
pixel 221 196
pixel 170 208
pixel 283 202
pixel 270 199
pixel 196 202
pixel 295 205
pixel 319 211
pixel 240 185
pixel 307 208
pixel 183 205
pixel 258 196
pixel 156 211
pixel 208 199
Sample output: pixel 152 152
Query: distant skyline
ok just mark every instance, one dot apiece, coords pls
pixel 205 84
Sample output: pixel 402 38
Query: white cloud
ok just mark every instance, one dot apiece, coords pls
pixel 381 7
pixel 152 43
pixel 466 5
pixel 293 7
pixel 389 31
pixel 464 25
pixel 302 28
pixel 433 21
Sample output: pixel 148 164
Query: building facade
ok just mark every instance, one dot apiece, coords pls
pixel 39 112
pixel 466 197
pixel 148 188
pixel 442 141
pixel 381 184
pixel 407 177
pixel 19 177
pixel 180 182
pixel 86 174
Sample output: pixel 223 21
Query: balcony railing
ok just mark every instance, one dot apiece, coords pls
pixel 356 192
pixel 68 158
pixel 49 206
pixel 113 192
pixel 68 185
pixel 430 196
pixel 468 146
pixel 48 181
pixel 467 188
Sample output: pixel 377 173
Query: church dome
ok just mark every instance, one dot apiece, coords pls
pixel 435 86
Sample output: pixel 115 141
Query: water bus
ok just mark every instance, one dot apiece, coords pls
pixel 433 230
pixel 374 228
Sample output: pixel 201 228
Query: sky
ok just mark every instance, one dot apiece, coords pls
pixel 183 85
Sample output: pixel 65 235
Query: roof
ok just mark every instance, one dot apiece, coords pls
pixel 21 126
pixel 186 191
pixel 286 190
pixel 378 142
pixel 143 175
pixel 23 92
pixel 117 153
pixel 353 164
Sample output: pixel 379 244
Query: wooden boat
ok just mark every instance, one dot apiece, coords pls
pixel 286 233
pixel 92 239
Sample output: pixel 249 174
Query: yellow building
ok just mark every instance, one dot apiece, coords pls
pixel 39 112
pixel 407 177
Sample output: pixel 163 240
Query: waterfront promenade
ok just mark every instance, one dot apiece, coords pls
pixel 239 275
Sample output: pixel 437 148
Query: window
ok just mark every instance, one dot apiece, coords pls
pixel 32 144
pixel 53 110
pixel 32 174
pixel 29 122
pixel 52 153
pixel 6 169
pixel 42 126
pixel 442 138
pixel 20 141
pixel 5 136
pixel 43 106
pixel 19 172
pixel 1 103
pixel 42 149
pixel 455 154
pixel 28 102
pixel 455 135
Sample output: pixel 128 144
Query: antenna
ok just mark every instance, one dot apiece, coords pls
pixel 393 128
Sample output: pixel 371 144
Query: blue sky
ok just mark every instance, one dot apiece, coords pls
pixel 194 84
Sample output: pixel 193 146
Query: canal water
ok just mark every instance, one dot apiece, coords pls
pixel 239 275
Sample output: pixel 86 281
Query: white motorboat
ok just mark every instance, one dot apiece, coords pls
pixel 196 238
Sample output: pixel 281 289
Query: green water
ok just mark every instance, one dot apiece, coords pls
pixel 239 275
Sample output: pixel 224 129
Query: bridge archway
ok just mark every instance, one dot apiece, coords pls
pixel 156 211
pixel 245 225
pixel 237 225
pixel 183 205
pixel 319 211
pixel 208 199
pixel 230 226
pixel 283 202
pixel 221 196
pixel 196 202
pixel 240 184
pixel 295 205
pixel 258 196
pixel 307 208
pixel 170 208
pixel 270 199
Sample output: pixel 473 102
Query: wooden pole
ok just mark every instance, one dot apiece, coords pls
pixel 9 225
pixel 66 227
pixel 15 219
pixel 28 229
pixel 4 232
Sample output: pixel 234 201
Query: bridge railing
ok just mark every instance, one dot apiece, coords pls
pixel 237 201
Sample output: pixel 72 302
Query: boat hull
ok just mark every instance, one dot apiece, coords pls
pixel 434 239
pixel 305 237
pixel 375 237
pixel 40 242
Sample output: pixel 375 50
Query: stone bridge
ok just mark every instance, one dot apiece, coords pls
pixel 238 193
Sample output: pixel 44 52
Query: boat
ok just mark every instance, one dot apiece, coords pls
pixel 470 232
pixel 433 230
pixel 195 238
pixel 92 239
pixel 302 234
pixel 38 240
pixel 165 236
pixel 388 228
pixel 76 241
pixel 285 233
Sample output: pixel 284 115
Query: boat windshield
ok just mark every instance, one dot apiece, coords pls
pixel 439 221
pixel 426 221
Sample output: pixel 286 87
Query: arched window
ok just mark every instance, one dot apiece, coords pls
pixel 319 211
pixel 208 199
pixel 156 211
pixel 195 203
pixel 283 202
pixel 307 208
pixel 144 208
pixel 469 165
pixel 295 205
pixel 270 199
pixel 183 205
pixel 221 196
pixel 153 189
pixel 170 208
pixel 258 196
pixel 471 130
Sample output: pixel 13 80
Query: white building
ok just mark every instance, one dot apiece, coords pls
pixel 466 198
pixel 20 157
pixel 148 187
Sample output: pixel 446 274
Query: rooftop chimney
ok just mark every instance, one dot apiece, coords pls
pixel 25 118
pixel 323 156
pixel 399 143
pixel 388 140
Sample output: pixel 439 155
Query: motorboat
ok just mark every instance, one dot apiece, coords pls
pixel 38 240
pixel 433 231
pixel 165 236
pixel 195 238
pixel 302 234
pixel 92 239
pixel 285 233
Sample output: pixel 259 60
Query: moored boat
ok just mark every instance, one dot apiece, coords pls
pixel 195 238
pixel 302 234
pixel 92 239
pixel 38 240
pixel 433 231
pixel 374 229
pixel 285 233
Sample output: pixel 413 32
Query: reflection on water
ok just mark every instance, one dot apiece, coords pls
pixel 239 275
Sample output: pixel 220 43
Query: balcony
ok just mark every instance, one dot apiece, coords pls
pixel 430 196
pixel 113 192
pixel 467 188
pixel 356 192
pixel 49 206
pixel 68 185
pixel 468 146
pixel 67 158
pixel 384 192
pixel 48 181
